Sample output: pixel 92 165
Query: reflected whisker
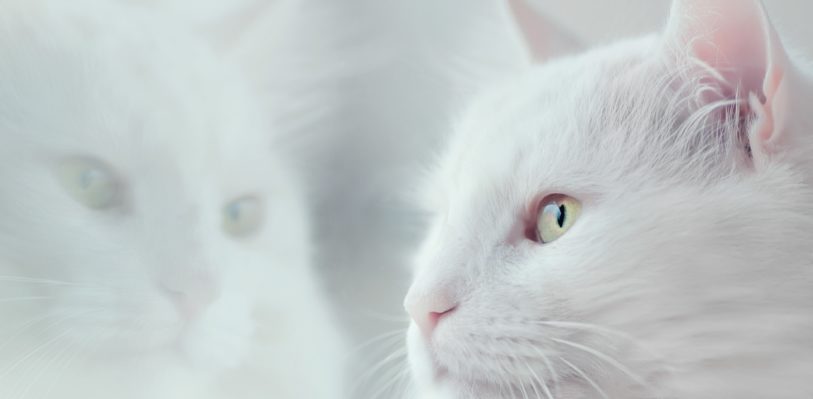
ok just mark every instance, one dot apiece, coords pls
pixel 24 298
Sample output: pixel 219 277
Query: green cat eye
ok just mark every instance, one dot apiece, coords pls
pixel 243 216
pixel 557 213
pixel 89 181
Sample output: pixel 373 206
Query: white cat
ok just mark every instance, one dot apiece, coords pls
pixel 634 222
pixel 154 242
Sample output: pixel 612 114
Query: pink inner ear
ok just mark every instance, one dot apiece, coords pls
pixel 731 36
pixel 770 112
pixel 736 39
pixel 532 28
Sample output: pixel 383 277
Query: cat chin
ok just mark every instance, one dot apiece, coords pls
pixel 434 381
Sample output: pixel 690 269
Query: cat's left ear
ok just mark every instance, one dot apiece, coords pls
pixel 542 38
pixel 736 40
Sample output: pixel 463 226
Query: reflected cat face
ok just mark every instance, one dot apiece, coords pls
pixel 141 207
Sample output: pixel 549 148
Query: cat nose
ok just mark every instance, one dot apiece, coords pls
pixel 191 294
pixel 427 310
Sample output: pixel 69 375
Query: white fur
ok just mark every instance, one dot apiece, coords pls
pixel 689 273
pixel 81 311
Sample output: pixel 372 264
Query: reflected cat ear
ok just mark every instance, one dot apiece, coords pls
pixel 542 37
pixel 736 42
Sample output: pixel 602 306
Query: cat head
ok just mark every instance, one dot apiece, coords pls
pixel 144 207
pixel 616 222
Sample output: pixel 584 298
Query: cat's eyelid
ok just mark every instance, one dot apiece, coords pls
pixel 243 216
pixel 106 195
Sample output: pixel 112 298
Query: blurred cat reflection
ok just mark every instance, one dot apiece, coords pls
pixel 152 245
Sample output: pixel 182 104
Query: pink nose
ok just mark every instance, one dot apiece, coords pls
pixel 191 293
pixel 427 311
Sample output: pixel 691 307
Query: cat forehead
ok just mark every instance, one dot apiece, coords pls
pixel 85 81
pixel 590 122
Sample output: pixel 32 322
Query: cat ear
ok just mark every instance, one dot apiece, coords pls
pixel 737 42
pixel 543 38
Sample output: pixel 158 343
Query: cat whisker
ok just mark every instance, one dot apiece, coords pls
pixel 541 382
pixel 611 361
pixel 406 387
pixel 382 337
pixel 523 391
pixel 67 362
pixel 584 376
pixel 22 327
pixel 24 298
pixel 549 366
pixel 32 280
pixel 601 331
pixel 43 369
pixel 396 355
pixel 13 367
pixel 587 327
pixel 41 281
pixel 393 377
pixel 46 344
pixel 385 317
pixel 521 384
pixel 533 381
pixel 513 392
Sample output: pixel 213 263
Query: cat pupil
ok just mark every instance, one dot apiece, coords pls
pixel 560 218
pixel 234 211
pixel 87 178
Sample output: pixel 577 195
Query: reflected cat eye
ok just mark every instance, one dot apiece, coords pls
pixel 243 216
pixel 89 181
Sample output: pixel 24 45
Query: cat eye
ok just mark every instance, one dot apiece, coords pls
pixel 557 213
pixel 243 216
pixel 89 181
